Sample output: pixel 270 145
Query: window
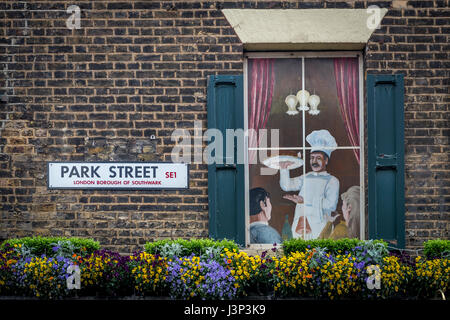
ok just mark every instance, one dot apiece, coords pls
pixel 303 177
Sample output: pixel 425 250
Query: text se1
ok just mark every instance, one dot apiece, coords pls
pixel 171 174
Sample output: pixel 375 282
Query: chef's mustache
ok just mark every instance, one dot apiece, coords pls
pixel 315 164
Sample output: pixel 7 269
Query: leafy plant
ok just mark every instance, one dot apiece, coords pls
pixel 171 250
pixel 213 253
pixel 319 257
pixel 193 246
pixel 23 251
pixel 332 246
pixel 64 248
pixel 44 245
pixel 437 249
pixel 371 251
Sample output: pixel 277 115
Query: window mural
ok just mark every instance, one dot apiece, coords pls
pixel 308 185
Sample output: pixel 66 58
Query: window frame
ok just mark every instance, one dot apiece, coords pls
pixel 305 54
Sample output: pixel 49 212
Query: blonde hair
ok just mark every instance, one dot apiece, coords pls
pixel 351 196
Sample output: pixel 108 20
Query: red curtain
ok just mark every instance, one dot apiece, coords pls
pixel 261 84
pixel 346 71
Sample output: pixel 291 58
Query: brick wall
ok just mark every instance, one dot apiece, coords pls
pixel 137 69
pixel 413 41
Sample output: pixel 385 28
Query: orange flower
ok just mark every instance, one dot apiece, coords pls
pixel 10 261
pixel 74 255
pixel 229 261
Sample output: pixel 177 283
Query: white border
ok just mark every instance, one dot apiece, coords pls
pixel 362 198
pixel 300 54
pixel 246 170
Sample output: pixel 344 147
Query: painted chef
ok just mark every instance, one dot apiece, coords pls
pixel 319 190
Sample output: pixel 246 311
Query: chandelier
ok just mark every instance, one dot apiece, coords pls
pixel 303 99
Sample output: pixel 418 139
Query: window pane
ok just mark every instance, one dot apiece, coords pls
pixel 270 81
pixel 321 77
pixel 322 196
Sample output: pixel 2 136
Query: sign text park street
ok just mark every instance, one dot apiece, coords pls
pixel 117 175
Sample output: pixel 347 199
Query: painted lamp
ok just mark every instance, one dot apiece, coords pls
pixel 303 97
pixel 313 102
pixel 291 101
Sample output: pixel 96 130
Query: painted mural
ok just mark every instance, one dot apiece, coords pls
pixel 312 189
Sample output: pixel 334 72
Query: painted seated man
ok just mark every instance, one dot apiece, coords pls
pixel 347 224
pixel 260 214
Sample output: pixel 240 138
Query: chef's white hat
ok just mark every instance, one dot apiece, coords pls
pixel 322 140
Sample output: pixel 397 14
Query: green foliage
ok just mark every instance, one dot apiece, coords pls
pixel 182 247
pixel 171 250
pixel 44 245
pixel 213 253
pixel 332 246
pixel 437 249
pixel 371 251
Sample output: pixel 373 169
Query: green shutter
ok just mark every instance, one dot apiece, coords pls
pixel 226 181
pixel 386 158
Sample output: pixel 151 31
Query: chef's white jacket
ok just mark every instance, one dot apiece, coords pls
pixel 320 192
